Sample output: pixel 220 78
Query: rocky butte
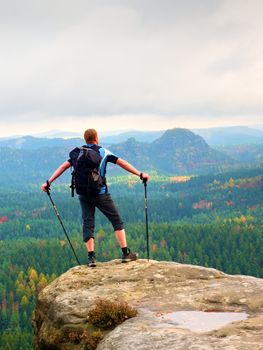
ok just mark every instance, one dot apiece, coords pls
pixel 179 307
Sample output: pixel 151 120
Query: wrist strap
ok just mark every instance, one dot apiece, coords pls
pixel 141 176
pixel 48 187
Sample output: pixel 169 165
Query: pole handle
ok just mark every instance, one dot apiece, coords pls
pixel 48 187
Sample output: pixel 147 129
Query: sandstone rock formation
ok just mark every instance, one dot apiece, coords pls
pixel 157 290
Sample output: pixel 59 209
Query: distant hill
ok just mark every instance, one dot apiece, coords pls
pixel 177 152
pixel 248 154
pixel 143 136
pixel 33 143
pixel 236 135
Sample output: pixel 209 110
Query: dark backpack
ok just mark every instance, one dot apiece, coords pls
pixel 86 178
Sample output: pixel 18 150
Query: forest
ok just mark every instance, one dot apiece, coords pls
pixel 213 220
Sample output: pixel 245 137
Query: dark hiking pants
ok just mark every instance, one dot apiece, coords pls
pixel 106 205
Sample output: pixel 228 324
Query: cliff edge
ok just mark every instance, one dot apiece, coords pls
pixel 179 307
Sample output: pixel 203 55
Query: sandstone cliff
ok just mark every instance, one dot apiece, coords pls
pixel 179 307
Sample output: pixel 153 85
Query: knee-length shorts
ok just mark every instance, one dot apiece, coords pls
pixel 106 205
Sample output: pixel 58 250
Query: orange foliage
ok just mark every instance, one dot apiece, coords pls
pixel 179 179
pixel 154 248
pixel 62 243
pixel 163 243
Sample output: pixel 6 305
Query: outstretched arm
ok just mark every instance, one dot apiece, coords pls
pixel 131 169
pixel 60 170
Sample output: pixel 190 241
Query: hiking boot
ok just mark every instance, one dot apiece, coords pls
pixel 92 261
pixel 130 256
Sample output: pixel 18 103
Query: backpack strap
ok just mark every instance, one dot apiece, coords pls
pixel 73 155
pixel 72 185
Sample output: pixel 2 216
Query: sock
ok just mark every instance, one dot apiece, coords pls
pixel 125 250
pixel 91 254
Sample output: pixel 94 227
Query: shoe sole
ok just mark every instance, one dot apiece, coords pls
pixel 92 265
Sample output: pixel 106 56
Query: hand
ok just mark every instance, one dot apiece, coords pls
pixel 144 177
pixel 45 186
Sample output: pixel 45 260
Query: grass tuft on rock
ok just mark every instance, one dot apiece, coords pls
pixel 107 314
pixel 90 340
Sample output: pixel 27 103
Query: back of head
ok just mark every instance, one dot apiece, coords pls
pixel 90 135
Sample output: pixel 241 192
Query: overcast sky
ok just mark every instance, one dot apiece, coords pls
pixel 129 64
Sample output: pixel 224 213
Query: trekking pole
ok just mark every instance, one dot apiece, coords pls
pixel 59 219
pixel 146 215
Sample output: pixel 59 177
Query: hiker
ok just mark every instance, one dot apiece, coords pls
pixel 102 199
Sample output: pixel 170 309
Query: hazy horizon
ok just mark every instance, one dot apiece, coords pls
pixel 70 134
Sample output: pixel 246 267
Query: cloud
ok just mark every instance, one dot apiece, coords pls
pixel 196 59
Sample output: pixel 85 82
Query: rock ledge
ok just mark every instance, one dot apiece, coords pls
pixel 155 289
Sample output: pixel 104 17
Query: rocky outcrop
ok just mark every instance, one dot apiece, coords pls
pixel 164 293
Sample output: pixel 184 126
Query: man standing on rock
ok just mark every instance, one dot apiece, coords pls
pixel 102 200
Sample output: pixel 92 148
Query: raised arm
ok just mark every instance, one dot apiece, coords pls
pixel 60 170
pixel 131 169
